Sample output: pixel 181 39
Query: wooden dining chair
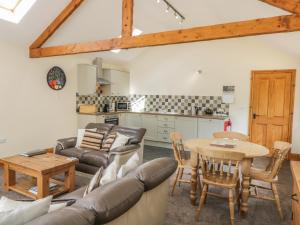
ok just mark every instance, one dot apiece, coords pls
pixel 181 157
pixel 231 135
pixel 220 169
pixel 270 174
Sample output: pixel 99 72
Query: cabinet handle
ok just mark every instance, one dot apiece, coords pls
pixel 294 197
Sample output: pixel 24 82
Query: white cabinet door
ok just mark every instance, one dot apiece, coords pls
pixel 134 120
pixel 86 79
pixel 123 119
pixel 119 83
pixel 206 127
pixel 150 123
pixel 83 120
pixel 187 126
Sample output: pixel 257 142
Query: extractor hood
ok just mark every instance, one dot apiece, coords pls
pixel 98 63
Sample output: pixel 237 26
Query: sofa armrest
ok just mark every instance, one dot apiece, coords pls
pixel 65 143
pixel 124 149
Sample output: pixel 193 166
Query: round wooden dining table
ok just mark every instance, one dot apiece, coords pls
pixel 251 151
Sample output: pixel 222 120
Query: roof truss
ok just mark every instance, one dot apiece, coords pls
pixel 279 24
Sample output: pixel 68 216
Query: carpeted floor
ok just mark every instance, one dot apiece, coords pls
pixel 215 212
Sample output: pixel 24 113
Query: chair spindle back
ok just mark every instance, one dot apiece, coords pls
pixel 222 163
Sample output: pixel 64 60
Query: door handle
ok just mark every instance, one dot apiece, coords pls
pixel 254 116
pixel 294 197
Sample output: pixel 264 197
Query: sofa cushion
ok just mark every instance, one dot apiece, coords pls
pixel 108 141
pixel 92 140
pixel 74 152
pixel 154 172
pixel 94 158
pixel 101 127
pixel 94 182
pixel 136 134
pixel 114 199
pixel 85 168
pixel 66 216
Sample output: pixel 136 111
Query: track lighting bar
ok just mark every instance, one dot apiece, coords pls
pixel 170 7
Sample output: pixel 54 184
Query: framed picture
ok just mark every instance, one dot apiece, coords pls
pixel 56 78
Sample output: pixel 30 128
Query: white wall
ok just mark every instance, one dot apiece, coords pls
pixel 172 70
pixel 31 114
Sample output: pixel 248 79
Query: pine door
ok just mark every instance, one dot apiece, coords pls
pixel 271 107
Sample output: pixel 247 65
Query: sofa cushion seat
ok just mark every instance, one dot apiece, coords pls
pixel 95 158
pixel 74 152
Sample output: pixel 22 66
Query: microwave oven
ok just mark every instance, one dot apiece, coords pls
pixel 122 106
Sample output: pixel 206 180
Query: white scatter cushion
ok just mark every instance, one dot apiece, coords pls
pixel 131 164
pixel 110 173
pixel 7 204
pixel 121 140
pixel 80 135
pixel 26 213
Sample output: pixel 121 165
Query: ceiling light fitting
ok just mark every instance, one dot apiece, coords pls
pixel 176 13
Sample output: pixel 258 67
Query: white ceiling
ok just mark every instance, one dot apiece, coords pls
pixel 98 19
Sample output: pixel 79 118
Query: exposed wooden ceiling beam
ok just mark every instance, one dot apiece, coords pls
pixel 127 18
pixel 59 20
pixel 292 6
pixel 271 25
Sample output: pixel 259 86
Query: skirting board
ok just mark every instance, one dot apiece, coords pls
pixel 294 157
pixel 158 144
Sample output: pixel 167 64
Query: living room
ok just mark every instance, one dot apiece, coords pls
pixel 151 72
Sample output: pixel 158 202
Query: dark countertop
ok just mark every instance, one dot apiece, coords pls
pixel 216 117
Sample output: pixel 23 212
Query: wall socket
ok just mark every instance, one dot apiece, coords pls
pixel 3 140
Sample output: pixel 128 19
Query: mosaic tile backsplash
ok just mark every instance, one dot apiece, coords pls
pixel 154 103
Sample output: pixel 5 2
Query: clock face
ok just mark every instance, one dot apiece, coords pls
pixel 56 78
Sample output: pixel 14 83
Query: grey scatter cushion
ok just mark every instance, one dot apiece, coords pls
pixel 95 182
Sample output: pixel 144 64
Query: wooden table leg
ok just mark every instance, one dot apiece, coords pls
pixel 194 173
pixel 9 178
pixel 70 179
pixel 43 186
pixel 246 164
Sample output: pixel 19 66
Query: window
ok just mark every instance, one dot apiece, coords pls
pixel 14 10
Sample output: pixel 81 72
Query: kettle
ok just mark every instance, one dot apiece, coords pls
pixel 106 108
pixel 208 111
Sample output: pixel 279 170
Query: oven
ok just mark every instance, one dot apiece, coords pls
pixel 112 119
pixel 122 106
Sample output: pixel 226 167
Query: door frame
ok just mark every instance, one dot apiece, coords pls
pixel 293 82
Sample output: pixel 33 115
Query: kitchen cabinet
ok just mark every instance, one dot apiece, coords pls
pixel 187 127
pixel 86 79
pixel 119 82
pixel 149 122
pixel 206 127
pixel 166 125
pixel 134 120
pixel 123 119
pixel 83 120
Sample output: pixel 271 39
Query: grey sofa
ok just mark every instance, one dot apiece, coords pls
pixel 140 198
pixel 90 160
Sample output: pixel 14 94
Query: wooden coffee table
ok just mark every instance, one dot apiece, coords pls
pixel 41 169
